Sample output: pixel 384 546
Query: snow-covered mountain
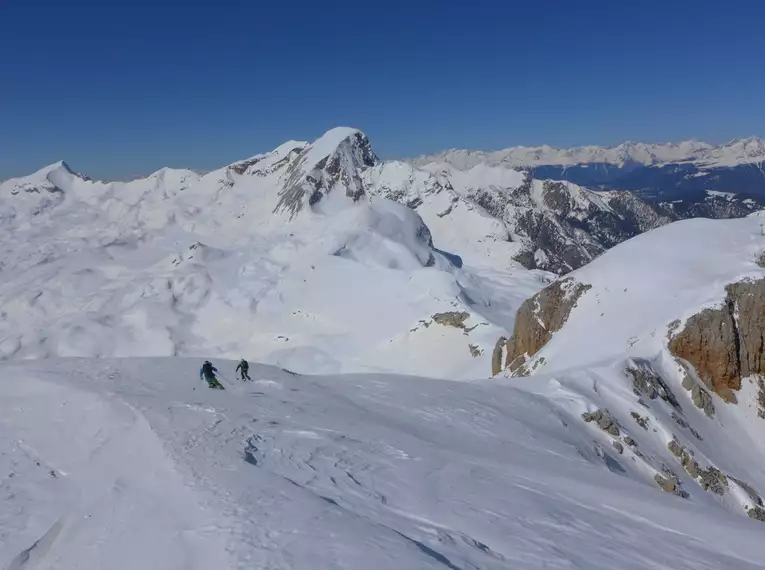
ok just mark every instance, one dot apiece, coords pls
pixel 639 423
pixel 627 154
pixel 266 257
pixel 657 345
pixel 276 258
pixel 657 172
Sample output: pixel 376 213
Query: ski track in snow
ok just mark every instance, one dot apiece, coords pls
pixel 135 463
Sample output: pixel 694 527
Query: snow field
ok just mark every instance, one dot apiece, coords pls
pixel 324 472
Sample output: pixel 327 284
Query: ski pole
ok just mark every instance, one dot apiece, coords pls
pixel 228 382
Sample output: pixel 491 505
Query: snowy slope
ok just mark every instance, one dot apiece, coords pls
pixel 611 356
pixel 542 224
pixel 288 257
pixel 639 287
pixel 148 469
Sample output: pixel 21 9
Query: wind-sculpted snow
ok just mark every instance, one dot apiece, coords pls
pixel 148 468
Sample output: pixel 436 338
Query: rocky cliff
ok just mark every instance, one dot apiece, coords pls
pixel 538 318
pixel 726 344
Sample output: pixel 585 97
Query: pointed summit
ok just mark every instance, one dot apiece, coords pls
pixel 336 159
pixel 341 140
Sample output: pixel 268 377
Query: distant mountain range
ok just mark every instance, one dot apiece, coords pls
pixel 658 172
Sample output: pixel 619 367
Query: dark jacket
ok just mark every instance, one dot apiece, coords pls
pixel 207 371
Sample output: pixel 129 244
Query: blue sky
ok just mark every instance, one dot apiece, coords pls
pixel 120 88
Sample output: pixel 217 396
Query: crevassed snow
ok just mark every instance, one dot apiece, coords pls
pixel 146 467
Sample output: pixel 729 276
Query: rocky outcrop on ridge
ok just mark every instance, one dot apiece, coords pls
pixel 726 344
pixel 538 318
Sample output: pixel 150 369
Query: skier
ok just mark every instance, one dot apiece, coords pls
pixel 243 368
pixel 207 372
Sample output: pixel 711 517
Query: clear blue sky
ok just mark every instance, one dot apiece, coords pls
pixel 119 88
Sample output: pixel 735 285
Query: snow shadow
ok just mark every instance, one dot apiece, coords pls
pixel 453 258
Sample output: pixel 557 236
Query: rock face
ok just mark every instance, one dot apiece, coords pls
pixel 539 317
pixel 667 484
pixel 333 162
pixel 645 382
pixel 725 345
pixel 563 226
pixel 452 319
pixel 605 421
pixel 496 356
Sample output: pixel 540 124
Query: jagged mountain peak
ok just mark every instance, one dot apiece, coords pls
pixel 340 140
pixel 336 159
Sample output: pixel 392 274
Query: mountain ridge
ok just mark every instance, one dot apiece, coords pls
pixel 731 153
pixel 554 226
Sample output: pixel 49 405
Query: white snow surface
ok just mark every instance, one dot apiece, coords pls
pixel 733 153
pixel 640 292
pixel 134 463
pixel 642 285
pixel 238 262
pixel 119 457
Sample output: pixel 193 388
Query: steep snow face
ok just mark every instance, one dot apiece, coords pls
pixel 609 361
pixel 242 261
pixel 334 160
pixel 147 468
pixel 641 286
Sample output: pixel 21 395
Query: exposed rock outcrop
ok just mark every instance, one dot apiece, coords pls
pixel 336 161
pixel 700 397
pixel 641 421
pixel 539 317
pixel 605 421
pixel 496 356
pixel 756 513
pixel 667 484
pixel 725 345
pixel 452 318
pixel 713 480
pixel 645 382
